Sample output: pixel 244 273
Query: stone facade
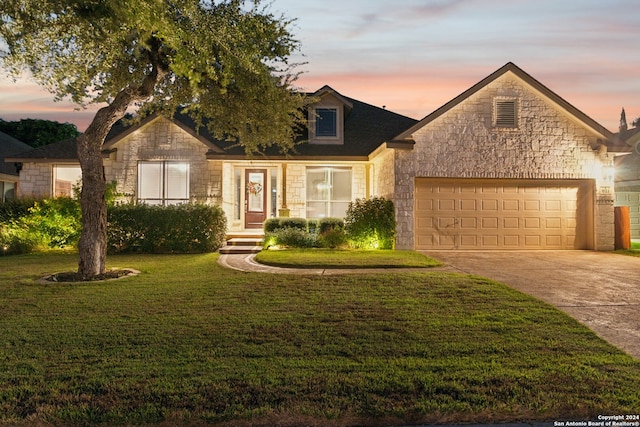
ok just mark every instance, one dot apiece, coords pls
pixel 464 143
pixel 162 140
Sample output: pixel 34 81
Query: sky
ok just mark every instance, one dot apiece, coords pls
pixel 413 56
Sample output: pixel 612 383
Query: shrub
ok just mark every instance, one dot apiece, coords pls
pixel 312 226
pixel 187 228
pixel 299 223
pixel 57 220
pixel 290 237
pixel 371 223
pixel 271 224
pixel 333 238
pixel 16 239
pixel 14 209
pixel 330 224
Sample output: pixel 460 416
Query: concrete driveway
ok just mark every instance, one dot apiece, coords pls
pixel 601 290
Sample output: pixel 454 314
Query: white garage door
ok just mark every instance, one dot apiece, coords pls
pixel 503 214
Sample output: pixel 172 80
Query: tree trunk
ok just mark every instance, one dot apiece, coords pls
pixel 92 245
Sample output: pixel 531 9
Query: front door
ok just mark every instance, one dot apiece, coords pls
pixel 255 198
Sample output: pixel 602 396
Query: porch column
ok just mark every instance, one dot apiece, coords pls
pixel 284 211
pixel 368 180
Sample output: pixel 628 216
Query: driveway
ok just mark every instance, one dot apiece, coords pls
pixel 601 290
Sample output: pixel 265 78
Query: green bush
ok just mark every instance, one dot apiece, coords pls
pixel 16 239
pixel 330 224
pixel 271 224
pixel 14 209
pixel 187 228
pixel 299 223
pixel 312 226
pixel 333 238
pixel 28 225
pixel 290 237
pixel 371 223
pixel 59 220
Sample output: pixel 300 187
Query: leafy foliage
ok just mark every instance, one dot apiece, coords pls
pixel 36 132
pixel 187 228
pixel 371 223
pixel 28 225
pixel 226 61
pixel 292 237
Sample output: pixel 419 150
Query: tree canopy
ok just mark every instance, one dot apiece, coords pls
pixel 37 132
pixel 225 61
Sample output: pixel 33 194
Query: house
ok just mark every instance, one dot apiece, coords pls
pixel 9 171
pixel 627 176
pixel 508 164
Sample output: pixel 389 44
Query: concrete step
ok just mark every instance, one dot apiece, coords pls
pixel 242 245
pixel 231 250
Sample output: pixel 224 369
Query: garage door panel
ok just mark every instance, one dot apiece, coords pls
pixel 503 214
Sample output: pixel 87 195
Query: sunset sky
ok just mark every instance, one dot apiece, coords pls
pixel 413 56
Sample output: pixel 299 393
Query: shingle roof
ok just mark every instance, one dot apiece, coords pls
pixel 366 127
pixel 8 147
pixel 63 150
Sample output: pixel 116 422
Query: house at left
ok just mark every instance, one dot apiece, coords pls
pixel 9 171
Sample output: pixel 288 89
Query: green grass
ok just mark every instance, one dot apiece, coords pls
pixel 189 343
pixel 634 251
pixel 333 258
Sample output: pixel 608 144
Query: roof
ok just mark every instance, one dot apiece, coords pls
pixel 65 150
pixel 365 128
pixel 509 68
pixel 10 146
pixel 625 141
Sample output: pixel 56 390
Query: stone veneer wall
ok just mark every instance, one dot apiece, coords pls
pixel 163 140
pixel 462 143
pixel 36 180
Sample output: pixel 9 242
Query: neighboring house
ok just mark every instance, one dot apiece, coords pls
pixel 9 171
pixel 508 164
pixel 627 177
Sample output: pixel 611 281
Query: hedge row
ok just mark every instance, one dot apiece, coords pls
pixel 186 228
pixel 27 226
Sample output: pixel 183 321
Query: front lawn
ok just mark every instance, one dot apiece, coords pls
pixel 334 258
pixel 189 343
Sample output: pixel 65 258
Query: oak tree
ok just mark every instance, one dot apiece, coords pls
pixel 224 61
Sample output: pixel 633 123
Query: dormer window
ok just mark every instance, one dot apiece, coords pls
pixel 327 122
pixel 327 117
pixel 505 112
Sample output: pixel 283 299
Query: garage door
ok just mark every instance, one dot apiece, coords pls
pixel 503 214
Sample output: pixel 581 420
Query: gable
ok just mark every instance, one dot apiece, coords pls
pixel 498 85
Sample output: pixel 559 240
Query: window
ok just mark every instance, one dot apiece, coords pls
pixel 505 113
pixel 7 191
pixel 163 183
pixel 65 179
pixel 328 192
pixel 326 122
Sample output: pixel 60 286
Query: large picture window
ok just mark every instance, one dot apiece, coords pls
pixel 328 192
pixel 163 183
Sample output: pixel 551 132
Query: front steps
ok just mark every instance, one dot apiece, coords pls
pixel 242 245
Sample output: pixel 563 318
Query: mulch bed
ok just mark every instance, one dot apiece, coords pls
pixel 73 276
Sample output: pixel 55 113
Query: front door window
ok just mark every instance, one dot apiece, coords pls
pixel 255 197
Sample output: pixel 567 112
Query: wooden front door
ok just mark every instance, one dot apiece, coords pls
pixel 255 198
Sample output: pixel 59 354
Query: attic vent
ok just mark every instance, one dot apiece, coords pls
pixel 505 113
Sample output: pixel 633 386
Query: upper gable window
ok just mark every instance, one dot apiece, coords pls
pixel 505 113
pixel 327 122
